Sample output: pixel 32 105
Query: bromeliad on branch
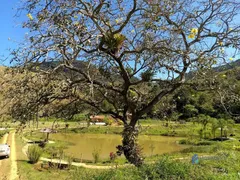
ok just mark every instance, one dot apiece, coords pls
pixel 112 42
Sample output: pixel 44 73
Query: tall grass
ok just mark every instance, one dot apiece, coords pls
pixel 96 155
pixel 164 169
pixel 34 153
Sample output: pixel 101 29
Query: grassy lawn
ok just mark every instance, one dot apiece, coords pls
pixel 29 171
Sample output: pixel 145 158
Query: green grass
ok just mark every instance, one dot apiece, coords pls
pixel 148 127
pixel 29 171
pixel 223 162
pixel 94 130
pixel 165 168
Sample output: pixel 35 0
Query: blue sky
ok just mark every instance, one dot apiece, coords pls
pixel 10 27
pixel 11 30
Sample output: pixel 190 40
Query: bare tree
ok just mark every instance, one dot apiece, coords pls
pixel 118 50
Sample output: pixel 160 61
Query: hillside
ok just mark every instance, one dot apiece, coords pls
pixel 228 66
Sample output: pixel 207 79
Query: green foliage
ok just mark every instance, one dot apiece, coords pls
pixel 163 169
pixel 34 153
pixel 203 148
pixel 108 120
pixel 166 169
pixel 147 75
pixel 224 124
pixel 183 141
pixel 195 142
pixel 129 173
pixel 190 111
pixel 96 155
pixel 80 117
pixel 214 126
pixel 56 150
pixel 95 130
pixel 113 42
pixel 3 132
pixel 106 105
pixel 26 171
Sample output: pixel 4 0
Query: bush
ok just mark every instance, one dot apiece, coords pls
pixel 86 174
pixel 69 160
pixel 163 169
pixel 183 141
pixel 194 142
pixel 112 156
pixel 166 169
pixel 130 173
pixel 204 143
pixel 2 133
pixel 96 155
pixel 108 121
pixel 34 153
pixel 42 144
pixel 120 123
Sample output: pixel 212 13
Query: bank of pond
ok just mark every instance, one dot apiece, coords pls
pixel 82 146
pixel 85 144
pixel 168 152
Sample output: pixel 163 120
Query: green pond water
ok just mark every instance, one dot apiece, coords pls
pixel 85 144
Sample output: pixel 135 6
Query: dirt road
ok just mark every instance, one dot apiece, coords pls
pixel 8 166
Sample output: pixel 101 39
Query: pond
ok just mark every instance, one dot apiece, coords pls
pixel 85 144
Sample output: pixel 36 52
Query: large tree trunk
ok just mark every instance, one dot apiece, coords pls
pixel 130 147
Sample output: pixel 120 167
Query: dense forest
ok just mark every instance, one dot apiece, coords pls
pixel 218 98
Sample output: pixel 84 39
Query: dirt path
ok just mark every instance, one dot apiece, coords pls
pixel 13 175
pixel 24 150
pixel 8 166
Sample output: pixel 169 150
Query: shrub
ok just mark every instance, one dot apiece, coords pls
pixel 129 173
pixel 112 156
pixel 2 133
pixel 108 121
pixel 42 144
pixel 69 160
pixel 120 123
pixel 183 141
pixel 204 143
pixel 96 155
pixel 195 142
pixel 34 153
pixel 86 174
pixel 165 169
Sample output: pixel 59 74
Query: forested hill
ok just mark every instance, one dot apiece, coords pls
pixel 228 66
pixel 80 64
pixel 222 68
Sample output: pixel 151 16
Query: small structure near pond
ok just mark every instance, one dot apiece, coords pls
pixel 98 120
pixel 48 131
